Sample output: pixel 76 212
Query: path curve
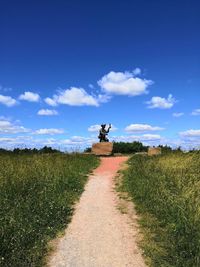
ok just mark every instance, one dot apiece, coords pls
pixel 99 234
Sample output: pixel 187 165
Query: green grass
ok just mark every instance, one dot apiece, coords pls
pixel 166 191
pixel 36 202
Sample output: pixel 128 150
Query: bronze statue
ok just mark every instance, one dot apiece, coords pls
pixel 103 132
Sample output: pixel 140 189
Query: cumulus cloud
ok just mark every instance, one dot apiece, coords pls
pixel 94 128
pixel 190 139
pixel 146 139
pixel 47 112
pixel 78 141
pixel 50 131
pixel 137 71
pixel 161 102
pixel 177 114
pixel 103 98
pixel 149 137
pixel 190 133
pixel 124 83
pixel 73 97
pixel 141 128
pixel 97 127
pixel 26 142
pixel 195 112
pixel 6 127
pixel 91 86
pixel 29 96
pixel 18 141
pixel 50 102
pixel 7 100
pixel 141 138
pixel 113 83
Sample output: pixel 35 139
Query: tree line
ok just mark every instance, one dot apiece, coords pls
pixel 43 150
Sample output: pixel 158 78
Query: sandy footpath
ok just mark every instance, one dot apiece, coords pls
pixel 99 234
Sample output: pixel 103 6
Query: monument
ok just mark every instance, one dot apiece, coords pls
pixel 104 147
pixel 154 151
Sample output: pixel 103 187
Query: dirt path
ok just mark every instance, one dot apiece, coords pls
pixel 99 234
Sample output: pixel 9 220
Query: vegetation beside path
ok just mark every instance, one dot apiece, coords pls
pixel 36 202
pixel 166 190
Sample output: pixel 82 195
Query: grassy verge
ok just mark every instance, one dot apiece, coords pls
pixel 166 191
pixel 37 195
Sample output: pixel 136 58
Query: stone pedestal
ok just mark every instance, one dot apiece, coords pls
pixel 102 149
pixel 154 151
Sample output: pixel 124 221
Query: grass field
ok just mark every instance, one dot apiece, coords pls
pixel 166 191
pixel 37 195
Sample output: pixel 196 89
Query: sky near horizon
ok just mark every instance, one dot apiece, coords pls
pixel 68 66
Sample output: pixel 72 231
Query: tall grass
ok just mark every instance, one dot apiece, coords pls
pixel 36 202
pixel 166 191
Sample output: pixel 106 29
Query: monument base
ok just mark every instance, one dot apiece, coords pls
pixel 154 151
pixel 102 149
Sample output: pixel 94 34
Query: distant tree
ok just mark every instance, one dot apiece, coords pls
pixel 4 151
pixel 165 149
pixel 17 150
pixel 128 148
pixel 34 150
pixel 48 150
pixel 45 149
pixel 178 149
pixel 88 149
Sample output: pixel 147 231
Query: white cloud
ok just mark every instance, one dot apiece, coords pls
pixel 195 112
pixel 143 137
pixel 97 127
pixel 6 127
pixel 73 97
pixel 50 102
pixel 141 128
pixel 30 96
pixel 137 71
pixel 91 86
pixel 120 83
pixel 47 112
pixel 190 133
pixel 7 139
pixel 146 139
pixel 24 142
pixel 78 141
pixel 190 139
pixel 7 100
pixel 161 102
pixel 124 83
pixel 50 131
pixel 177 114
pixel 94 128
pixel 103 98
pixel 12 142
pixel 150 137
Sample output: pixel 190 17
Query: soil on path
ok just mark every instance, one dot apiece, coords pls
pixel 99 235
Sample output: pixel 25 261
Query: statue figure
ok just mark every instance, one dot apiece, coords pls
pixel 103 132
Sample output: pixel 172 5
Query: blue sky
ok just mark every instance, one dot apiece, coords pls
pixel 68 66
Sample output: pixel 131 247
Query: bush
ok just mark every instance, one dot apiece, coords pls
pixel 128 148
pixel 88 150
